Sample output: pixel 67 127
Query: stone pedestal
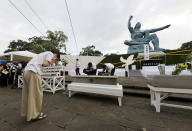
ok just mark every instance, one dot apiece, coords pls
pixel 106 80
pixel 153 53
pixel 137 48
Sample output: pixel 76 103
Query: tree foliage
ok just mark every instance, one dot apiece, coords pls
pixel 57 38
pixel 189 57
pixel 18 45
pixel 186 46
pixel 54 41
pixel 90 51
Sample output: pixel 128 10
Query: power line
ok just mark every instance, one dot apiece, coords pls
pixel 41 21
pixel 35 13
pixel 71 24
pixel 69 59
pixel 25 17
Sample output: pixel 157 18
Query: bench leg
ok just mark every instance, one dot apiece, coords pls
pixel 69 93
pixel 157 101
pixel 152 94
pixel 63 83
pixel 54 88
pixel 119 101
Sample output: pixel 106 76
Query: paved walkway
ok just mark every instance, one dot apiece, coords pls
pixel 83 112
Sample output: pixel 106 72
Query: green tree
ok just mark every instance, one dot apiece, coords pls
pixel 189 58
pixel 53 41
pixel 90 51
pixel 186 46
pixel 39 44
pixel 18 45
pixel 57 38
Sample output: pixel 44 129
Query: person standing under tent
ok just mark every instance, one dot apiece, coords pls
pixel 3 76
pixel 1 68
pixel 8 65
pixel 12 70
pixel 77 67
pixel 18 72
pixel 32 94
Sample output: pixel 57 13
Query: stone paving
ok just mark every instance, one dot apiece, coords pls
pixel 86 112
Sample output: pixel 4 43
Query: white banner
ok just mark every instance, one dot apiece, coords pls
pixel 146 52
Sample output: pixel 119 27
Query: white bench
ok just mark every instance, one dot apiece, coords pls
pixel 50 74
pixel 49 83
pixel 91 87
pixel 52 70
pixel 53 83
pixel 51 79
pixel 53 67
pixel 20 81
pixel 163 86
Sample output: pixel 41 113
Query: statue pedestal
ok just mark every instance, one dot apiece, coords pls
pixel 137 48
pixel 157 53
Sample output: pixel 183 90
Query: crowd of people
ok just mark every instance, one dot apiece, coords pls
pixel 9 74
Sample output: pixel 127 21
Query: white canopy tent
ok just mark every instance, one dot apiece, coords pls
pixel 19 56
pixel 25 56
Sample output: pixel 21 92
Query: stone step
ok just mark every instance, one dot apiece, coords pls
pixel 136 91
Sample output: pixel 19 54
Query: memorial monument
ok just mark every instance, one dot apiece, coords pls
pixel 141 37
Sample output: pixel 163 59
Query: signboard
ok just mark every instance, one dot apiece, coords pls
pixel 133 67
pixel 146 52
pixel 154 62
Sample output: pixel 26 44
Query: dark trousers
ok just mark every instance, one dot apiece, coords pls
pixel 77 71
pixel 3 80
pixel 113 72
pixel 11 78
pixel 126 74
pixel 15 82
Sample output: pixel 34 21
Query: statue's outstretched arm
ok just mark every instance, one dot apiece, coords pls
pixel 158 29
pixel 129 24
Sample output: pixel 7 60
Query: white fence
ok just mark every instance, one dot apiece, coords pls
pixel 52 80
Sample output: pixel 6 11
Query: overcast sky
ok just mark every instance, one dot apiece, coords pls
pixel 102 23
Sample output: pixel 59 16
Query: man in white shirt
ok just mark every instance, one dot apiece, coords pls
pixel 77 67
pixel 108 69
pixel 32 94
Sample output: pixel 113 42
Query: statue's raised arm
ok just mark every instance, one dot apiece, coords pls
pixel 158 29
pixel 129 25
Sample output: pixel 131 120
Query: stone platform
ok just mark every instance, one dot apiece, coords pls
pixel 153 53
pixel 136 81
pixel 93 79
